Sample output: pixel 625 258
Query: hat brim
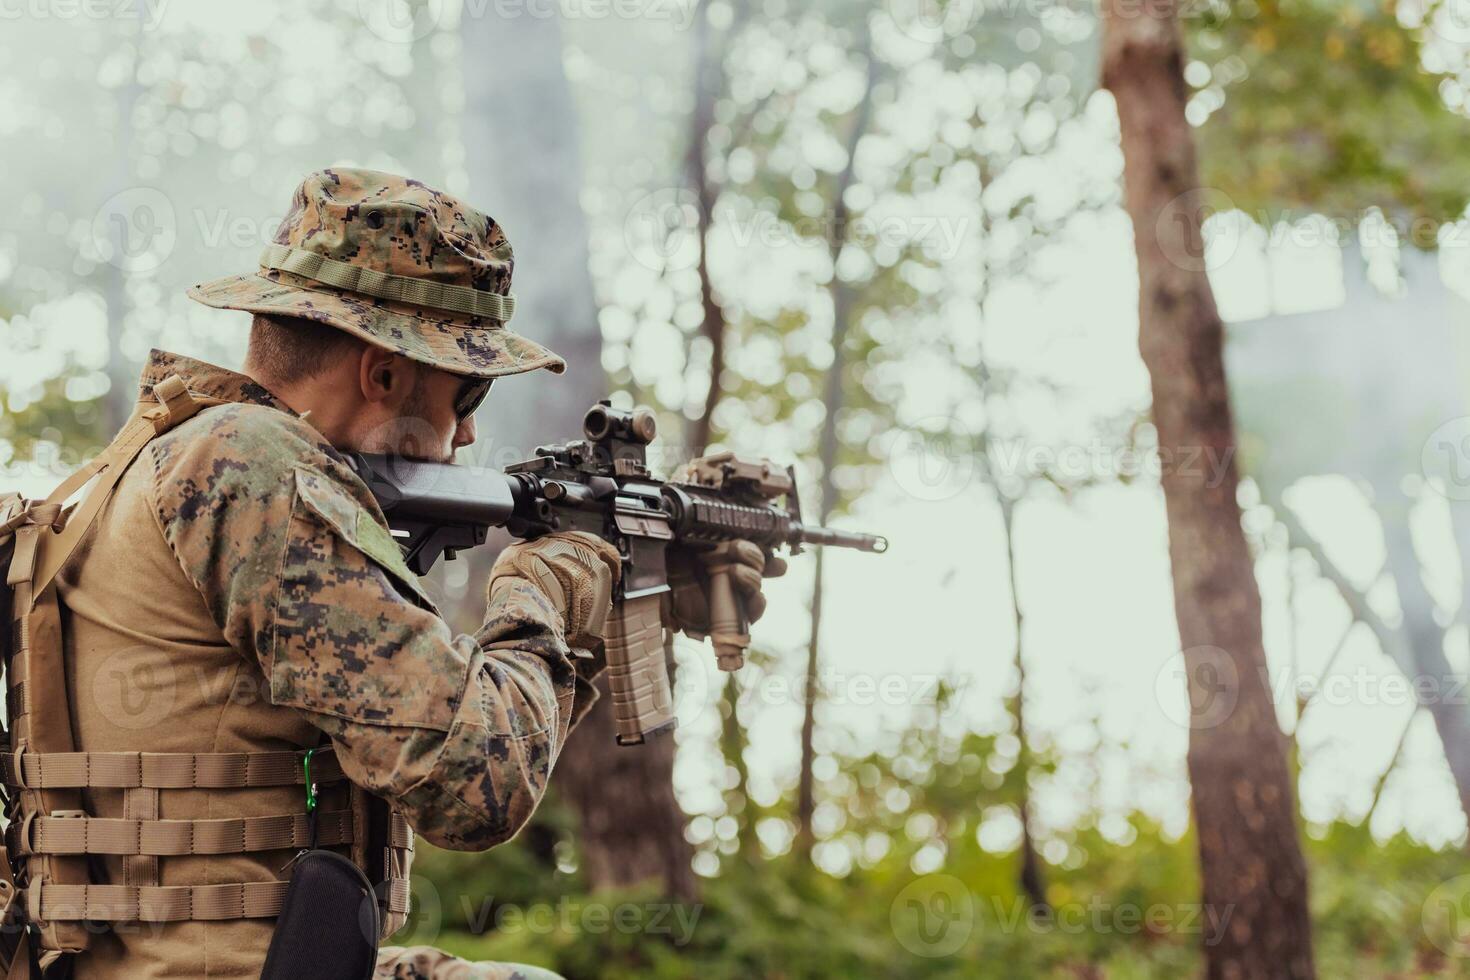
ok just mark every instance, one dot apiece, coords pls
pixel 475 346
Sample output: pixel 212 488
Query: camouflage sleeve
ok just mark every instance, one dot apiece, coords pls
pixel 293 558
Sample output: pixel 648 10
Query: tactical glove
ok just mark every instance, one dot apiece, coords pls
pixel 574 569
pixel 689 607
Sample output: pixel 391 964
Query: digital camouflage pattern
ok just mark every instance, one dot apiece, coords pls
pixel 239 592
pixel 397 226
pixel 291 554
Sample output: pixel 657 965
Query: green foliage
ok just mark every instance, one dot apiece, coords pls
pixel 1321 106
pixel 59 410
pixel 914 816
pixel 52 417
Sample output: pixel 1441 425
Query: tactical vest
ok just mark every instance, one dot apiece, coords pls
pixel 49 885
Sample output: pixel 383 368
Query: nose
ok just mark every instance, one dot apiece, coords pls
pixel 464 434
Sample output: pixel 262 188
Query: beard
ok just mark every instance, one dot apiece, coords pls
pixel 410 434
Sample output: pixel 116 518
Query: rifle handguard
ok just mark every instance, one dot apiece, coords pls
pixel 637 673
pixel 728 629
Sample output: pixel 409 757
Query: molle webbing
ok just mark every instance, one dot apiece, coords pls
pixel 162 770
pixel 169 903
pixel 167 838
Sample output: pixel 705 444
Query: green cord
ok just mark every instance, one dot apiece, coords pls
pixel 310 786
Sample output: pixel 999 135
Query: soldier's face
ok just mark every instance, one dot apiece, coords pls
pixel 412 411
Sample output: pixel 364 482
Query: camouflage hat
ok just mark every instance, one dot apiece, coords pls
pixel 397 264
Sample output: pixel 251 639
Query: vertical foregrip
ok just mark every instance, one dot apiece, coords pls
pixel 637 674
pixel 728 629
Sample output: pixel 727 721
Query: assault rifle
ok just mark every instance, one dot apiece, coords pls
pixel 602 485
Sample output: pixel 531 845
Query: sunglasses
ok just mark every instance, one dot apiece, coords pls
pixel 471 396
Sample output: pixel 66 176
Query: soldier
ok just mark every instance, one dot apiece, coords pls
pixel 243 580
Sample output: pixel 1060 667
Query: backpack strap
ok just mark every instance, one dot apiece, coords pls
pixel 175 405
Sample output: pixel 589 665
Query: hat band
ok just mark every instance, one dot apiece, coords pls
pixel 397 289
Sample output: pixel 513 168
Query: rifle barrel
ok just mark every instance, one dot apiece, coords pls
pixel 830 537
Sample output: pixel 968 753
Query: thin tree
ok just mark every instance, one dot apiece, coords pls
pixel 1250 857
pixel 843 301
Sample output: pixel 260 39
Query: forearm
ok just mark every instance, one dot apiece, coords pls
pixel 482 781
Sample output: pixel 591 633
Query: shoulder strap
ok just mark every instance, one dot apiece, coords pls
pixel 175 405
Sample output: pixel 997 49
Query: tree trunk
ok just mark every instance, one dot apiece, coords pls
pixel 806 800
pixel 1033 880
pixel 843 302
pixel 631 826
pixel 521 139
pixel 708 72
pixel 732 746
pixel 1250 857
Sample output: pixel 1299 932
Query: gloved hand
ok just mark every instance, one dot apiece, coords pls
pixel 689 581
pixel 576 571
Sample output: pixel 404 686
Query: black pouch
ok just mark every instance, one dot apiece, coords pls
pixel 328 926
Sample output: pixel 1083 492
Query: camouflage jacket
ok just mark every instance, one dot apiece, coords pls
pixel 294 561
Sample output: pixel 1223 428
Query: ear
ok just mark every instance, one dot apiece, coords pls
pixel 380 374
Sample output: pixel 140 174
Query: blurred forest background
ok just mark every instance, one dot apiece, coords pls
pixel 886 241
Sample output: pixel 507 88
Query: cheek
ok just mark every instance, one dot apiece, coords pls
pixel 437 429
